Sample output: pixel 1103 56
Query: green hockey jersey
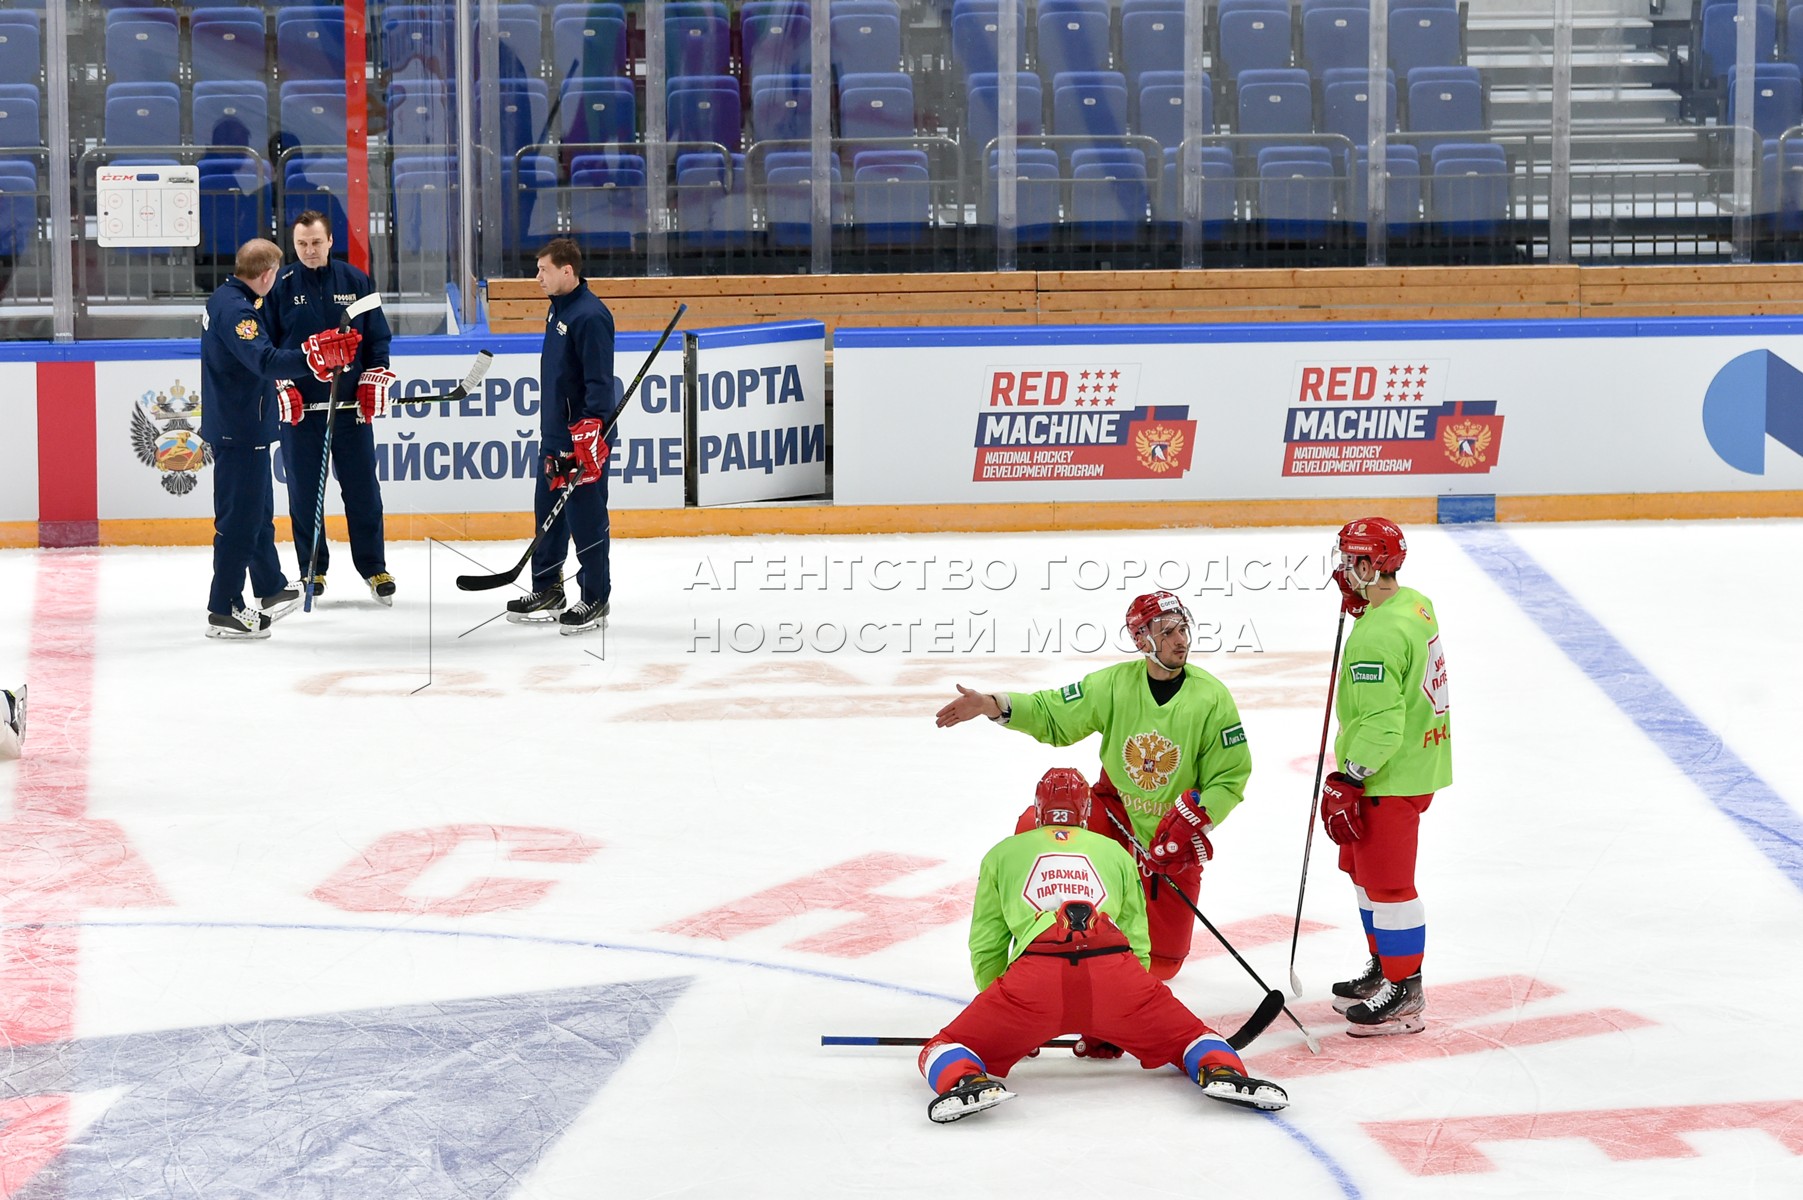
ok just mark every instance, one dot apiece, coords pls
pixel 1025 878
pixel 1394 710
pixel 1153 753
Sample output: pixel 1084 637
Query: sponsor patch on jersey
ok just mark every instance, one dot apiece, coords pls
pixel 562 329
pixel 345 298
pixel 1425 615
pixel 1233 735
pixel 247 329
pixel 1070 693
pixel 1061 835
pixel 1367 672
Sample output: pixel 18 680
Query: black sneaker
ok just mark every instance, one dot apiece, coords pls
pixel 16 701
pixel 537 607
pixel 971 1094
pixel 583 616
pixel 241 625
pixel 281 604
pixel 1228 1085
pixel 381 586
pixel 1362 986
pixel 1394 1008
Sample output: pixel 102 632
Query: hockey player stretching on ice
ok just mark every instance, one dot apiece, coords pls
pixel 1058 942
pixel 1174 756
pixel 1393 751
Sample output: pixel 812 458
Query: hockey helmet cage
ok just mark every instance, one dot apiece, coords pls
pixel 1376 538
pixel 1062 797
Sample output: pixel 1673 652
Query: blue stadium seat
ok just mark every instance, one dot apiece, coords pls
pixel 788 192
pixel 1423 37
pixel 1111 194
pixel 876 105
pixel 704 108
pixel 1777 97
pixel 588 41
pixel 892 196
pixel 1469 189
pixel 1218 186
pixel 1720 35
pixel 417 42
pixel 607 200
pixel 528 202
pixel 1161 107
pixel 18 207
pixel 232 113
pixel 1277 103
pixel 1072 39
pixel 598 110
pixel 775 37
pixel 1297 187
pixel 1090 104
pixel 21 51
pixel 696 43
pixel 142 52
pixel 159 13
pixel 980 107
pixel 309 43
pixel 975 34
pixel 19 118
pixel 1335 37
pixel 1346 107
pixel 1038 195
pixel 316 184
pixel 425 206
pixel 234 204
pixel 782 107
pixel 421 113
pixel 713 199
pixel 525 108
pixel 1151 40
pixel 1253 38
pixel 143 114
pixel 522 40
pixel 1444 99
pixel 1402 191
pixel 312 113
pixel 227 43
pixel 865 42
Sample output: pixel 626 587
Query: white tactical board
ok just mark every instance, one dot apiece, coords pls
pixel 148 206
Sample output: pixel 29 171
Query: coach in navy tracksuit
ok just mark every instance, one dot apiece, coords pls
pixel 239 419
pixel 308 297
pixel 576 396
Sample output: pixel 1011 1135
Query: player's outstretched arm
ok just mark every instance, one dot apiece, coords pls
pixel 968 706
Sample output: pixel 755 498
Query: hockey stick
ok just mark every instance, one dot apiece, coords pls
pixel 483 583
pixel 1239 1039
pixel 477 373
pixel 1308 845
pixel 1139 852
pixel 357 308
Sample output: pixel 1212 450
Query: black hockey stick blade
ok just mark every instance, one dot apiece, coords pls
pixel 1260 1020
pixel 483 583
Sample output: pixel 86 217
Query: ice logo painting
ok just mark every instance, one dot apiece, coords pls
pixel 163 436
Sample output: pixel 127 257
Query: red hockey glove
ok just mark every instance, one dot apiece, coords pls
pixel 590 449
pixel 1089 1047
pixel 372 393
pixel 1342 798
pixel 288 402
pixel 560 470
pixel 330 349
pixel 1181 842
pixel 1351 603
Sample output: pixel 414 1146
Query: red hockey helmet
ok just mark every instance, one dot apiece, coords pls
pixel 1149 607
pixel 1375 538
pixel 1062 797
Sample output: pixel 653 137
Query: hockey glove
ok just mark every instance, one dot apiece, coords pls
pixel 288 402
pixel 1091 1047
pixel 1181 841
pixel 591 449
pixel 1342 801
pixel 372 393
pixel 560 470
pixel 330 349
pixel 1351 603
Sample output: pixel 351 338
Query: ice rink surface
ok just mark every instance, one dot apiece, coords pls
pixel 402 904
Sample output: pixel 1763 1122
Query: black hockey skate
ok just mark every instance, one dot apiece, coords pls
pixel 281 604
pixel 1229 1086
pixel 971 1094
pixel 583 616
pixel 538 608
pixel 381 587
pixel 1395 1008
pixel 17 700
pixel 1362 986
pixel 241 625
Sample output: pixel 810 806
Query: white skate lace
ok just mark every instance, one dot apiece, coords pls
pixel 1385 994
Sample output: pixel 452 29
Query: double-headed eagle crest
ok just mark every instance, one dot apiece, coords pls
pixel 1151 759
pixel 1467 442
pixel 163 436
pixel 1160 448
